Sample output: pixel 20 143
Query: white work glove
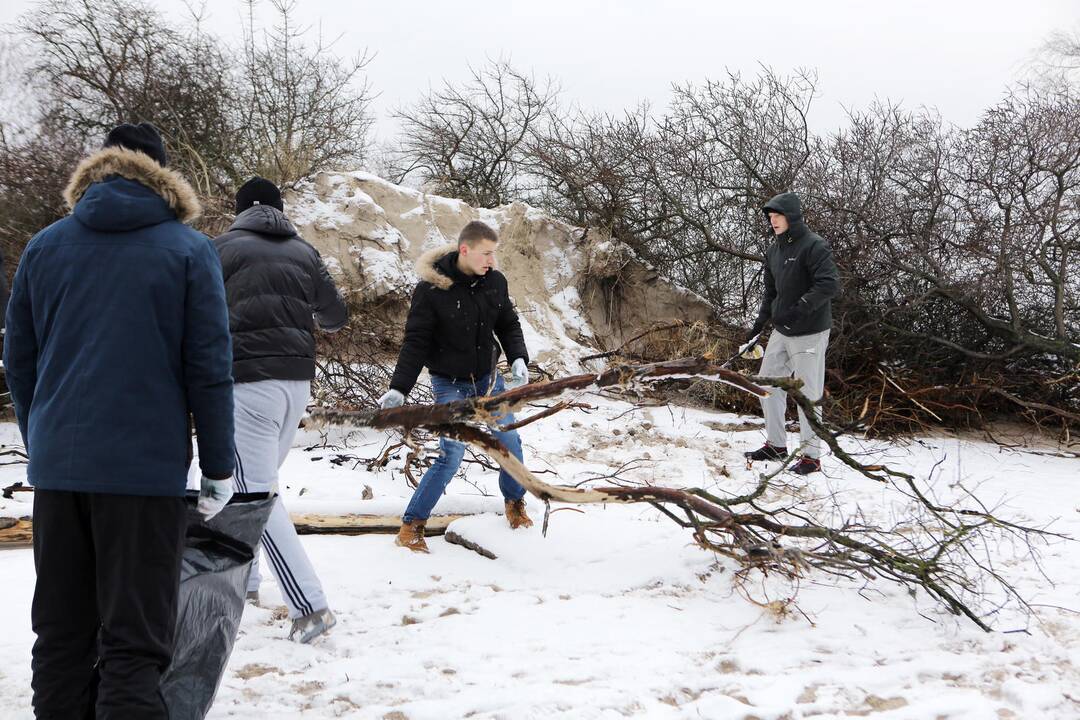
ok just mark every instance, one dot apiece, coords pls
pixel 214 495
pixel 519 374
pixel 751 350
pixel 392 399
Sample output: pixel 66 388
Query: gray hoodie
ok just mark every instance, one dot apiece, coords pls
pixel 800 275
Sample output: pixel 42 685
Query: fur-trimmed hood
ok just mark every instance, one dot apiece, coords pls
pixel 427 267
pixel 141 168
pixel 456 322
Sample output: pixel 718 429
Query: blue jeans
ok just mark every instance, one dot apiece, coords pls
pixel 438 476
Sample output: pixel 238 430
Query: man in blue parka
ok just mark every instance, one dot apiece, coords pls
pixel 117 330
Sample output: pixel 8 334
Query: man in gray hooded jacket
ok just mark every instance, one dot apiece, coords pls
pixel 800 282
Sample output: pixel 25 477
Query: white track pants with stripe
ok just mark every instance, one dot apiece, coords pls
pixel 266 414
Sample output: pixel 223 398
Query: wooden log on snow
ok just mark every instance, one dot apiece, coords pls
pixel 310 524
pixel 19 532
pixel 16 533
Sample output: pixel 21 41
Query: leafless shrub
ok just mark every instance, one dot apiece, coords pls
pixel 276 105
pixel 302 109
pixel 469 141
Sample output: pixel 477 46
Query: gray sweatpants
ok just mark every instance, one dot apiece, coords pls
pixel 267 413
pixel 803 357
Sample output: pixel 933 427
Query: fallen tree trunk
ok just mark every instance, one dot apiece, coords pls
pixel 481 408
pixel 939 556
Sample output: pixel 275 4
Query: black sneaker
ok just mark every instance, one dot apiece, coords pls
pixel 806 465
pixel 767 452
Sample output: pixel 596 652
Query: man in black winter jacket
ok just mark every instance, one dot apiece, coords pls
pixel 460 305
pixel 800 282
pixel 277 287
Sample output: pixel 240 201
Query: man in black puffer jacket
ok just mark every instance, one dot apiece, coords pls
pixel 460 305
pixel 274 281
pixel 277 286
pixel 800 282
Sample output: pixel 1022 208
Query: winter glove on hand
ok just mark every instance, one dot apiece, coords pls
pixel 752 333
pixel 519 374
pixel 391 399
pixel 751 343
pixel 213 496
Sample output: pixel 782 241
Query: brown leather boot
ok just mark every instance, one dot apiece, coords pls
pixel 411 536
pixel 516 515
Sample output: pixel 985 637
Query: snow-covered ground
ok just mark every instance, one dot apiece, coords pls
pixel 616 613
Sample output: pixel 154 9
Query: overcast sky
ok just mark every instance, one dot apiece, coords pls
pixel 955 55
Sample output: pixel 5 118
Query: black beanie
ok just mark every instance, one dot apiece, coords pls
pixel 258 190
pixel 143 138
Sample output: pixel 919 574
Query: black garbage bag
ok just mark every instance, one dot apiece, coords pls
pixel 213 583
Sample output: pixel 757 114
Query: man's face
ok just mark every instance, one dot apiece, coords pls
pixel 779 222
pixel 479 259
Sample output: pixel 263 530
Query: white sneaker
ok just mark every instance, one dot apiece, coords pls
pixel 307 628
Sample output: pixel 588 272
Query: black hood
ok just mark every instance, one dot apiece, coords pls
pixel 264 220
pixel 791 207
